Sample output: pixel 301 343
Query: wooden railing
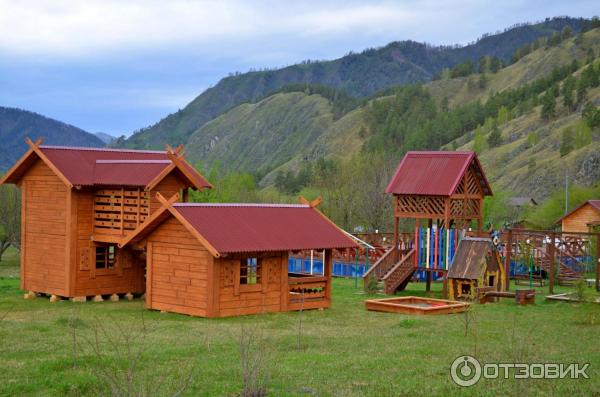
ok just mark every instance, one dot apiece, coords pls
pixel 382 266
pixel 307 292
pixel 399 275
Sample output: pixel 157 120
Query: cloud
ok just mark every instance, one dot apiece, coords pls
pixel 95 27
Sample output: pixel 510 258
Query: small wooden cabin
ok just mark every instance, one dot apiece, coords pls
pixel 582 219
pixel 79 203
pixel 219 260
pixel 476 264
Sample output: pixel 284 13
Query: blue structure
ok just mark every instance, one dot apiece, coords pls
pixel 340 269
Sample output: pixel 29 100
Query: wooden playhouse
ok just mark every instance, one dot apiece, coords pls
pixel 217 260
pixel 79 203
pixel 476 264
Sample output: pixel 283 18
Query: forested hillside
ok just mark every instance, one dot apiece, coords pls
pixel 358 75
pixel 17 124
pixel 341 148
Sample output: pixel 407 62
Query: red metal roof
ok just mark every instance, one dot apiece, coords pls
pixel 263 227
pixel 93 166
pixel 127 172
pixel 594 203
pixel 433 173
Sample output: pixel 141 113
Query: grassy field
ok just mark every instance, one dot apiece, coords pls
pixel 65 348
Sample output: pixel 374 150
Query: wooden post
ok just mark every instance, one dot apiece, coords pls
pixel 507 261
pixel 598 262
pixel 327 268
pixel 396 238
pixel 551 255
pixel 428 275
pixel 149 264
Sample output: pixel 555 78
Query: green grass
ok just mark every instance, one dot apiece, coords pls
pixel 344 351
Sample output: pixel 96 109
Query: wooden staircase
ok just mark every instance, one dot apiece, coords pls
pixel 566 275
pixel 394 275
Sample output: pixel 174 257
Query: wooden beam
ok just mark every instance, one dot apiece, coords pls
pixel 507 260
pixel 168 205
pixel 35 147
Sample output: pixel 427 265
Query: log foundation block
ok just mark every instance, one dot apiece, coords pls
pixel 79 299
pixel 54 298
pixel 129 296
pixel 30 295
pixel 98 298
pixel 114 298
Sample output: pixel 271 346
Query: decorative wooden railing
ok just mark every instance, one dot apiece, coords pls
pixel 307 292
pixel 381 267
pixel 399 275
pixel 118 211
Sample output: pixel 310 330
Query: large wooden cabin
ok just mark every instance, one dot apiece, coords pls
pixel 79 203
pixel 218 260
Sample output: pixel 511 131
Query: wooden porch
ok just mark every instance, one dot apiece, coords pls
pixel 308 292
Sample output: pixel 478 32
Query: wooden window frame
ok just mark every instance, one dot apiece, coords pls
pixel 106 269
pixel 251 262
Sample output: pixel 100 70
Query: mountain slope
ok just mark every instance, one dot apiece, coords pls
pixel 17 124
pixel 361 74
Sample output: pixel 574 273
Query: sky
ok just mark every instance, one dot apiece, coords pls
pixel 119 65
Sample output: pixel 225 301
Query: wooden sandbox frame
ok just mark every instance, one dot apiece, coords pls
pixel 408 305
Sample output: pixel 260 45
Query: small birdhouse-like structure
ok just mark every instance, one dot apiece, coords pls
pixel 476 264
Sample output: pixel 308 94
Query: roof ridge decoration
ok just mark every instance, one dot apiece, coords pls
pixel 249 205
pixel 34 147
pixel 104 149
pixel 124 161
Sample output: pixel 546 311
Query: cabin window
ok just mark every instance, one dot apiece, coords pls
pixel 106 257
pixel 250 271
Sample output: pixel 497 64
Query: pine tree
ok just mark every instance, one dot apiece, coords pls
pixel 581 92
pixel 479 140
pixel 548 106
pixel 566 142
pixel 567 92
pixel 495 64
pixel 495 137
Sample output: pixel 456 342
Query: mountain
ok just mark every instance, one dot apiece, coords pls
pixel 288 129
pixel 104 137
pixel 18 124
pixel 360 75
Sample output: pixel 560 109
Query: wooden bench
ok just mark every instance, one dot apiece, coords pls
pixel 522 296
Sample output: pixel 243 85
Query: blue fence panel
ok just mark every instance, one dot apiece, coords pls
pixel 340 269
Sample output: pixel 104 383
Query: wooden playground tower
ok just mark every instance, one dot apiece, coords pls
pixel 443 192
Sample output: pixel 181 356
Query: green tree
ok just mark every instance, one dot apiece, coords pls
pixel 567 92
pixel 591 115
pixel 566 141
pixel 503 115
pixel 583 135
pixel 495 137
pixel 495 64
pixel 10 218
pixel 548 105
pixel 479 141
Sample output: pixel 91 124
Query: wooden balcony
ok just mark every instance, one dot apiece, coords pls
pixel 308 292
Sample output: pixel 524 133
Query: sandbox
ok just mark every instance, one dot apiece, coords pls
pixel 416 305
